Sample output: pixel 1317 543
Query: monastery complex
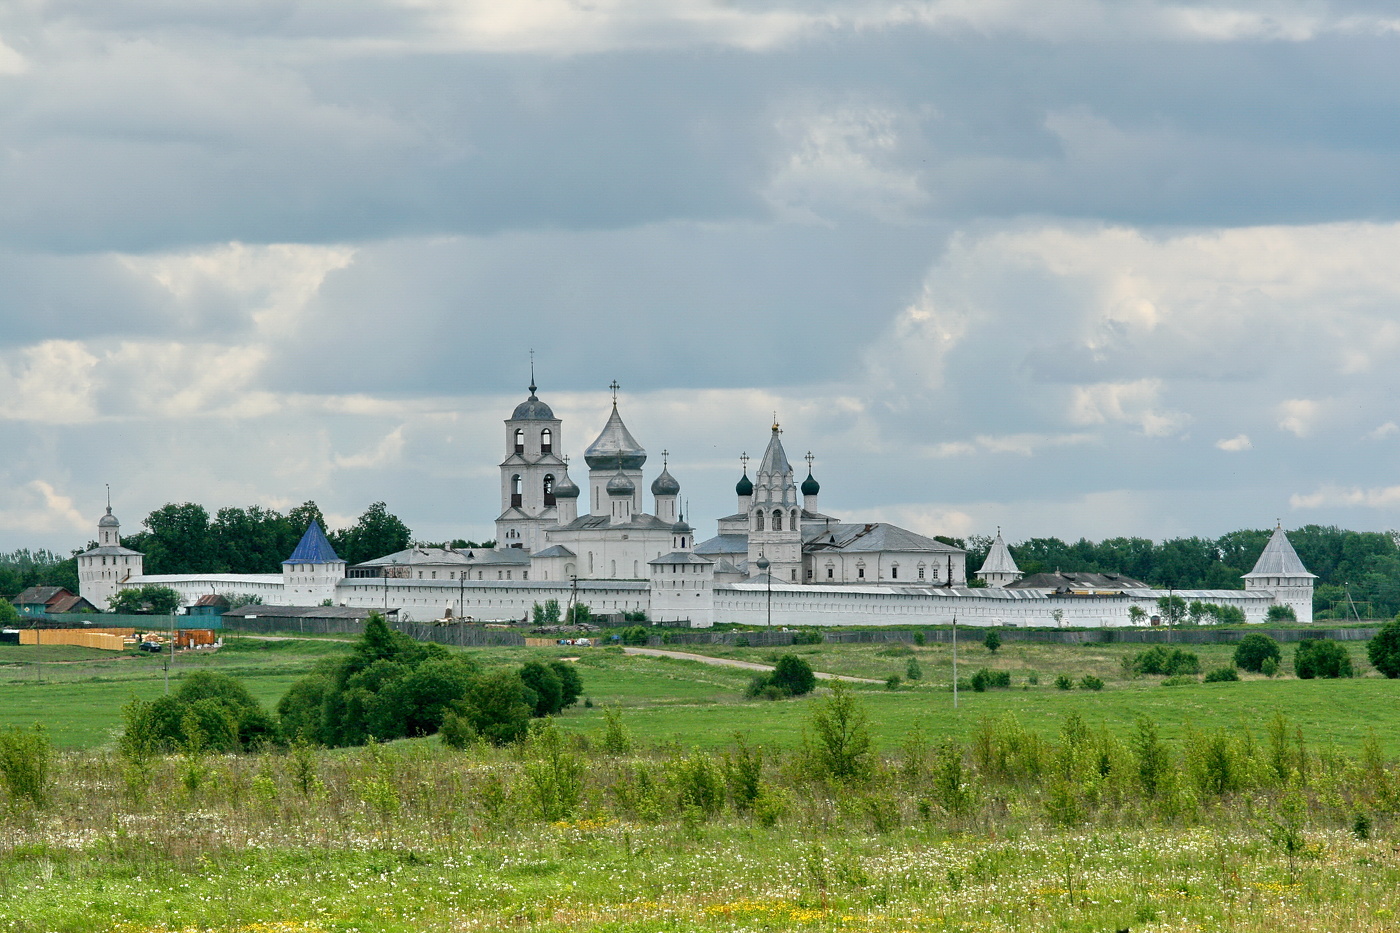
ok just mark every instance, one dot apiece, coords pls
pixel 777 558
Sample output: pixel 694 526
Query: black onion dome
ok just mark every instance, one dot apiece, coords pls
pixel 745 485
pixel 665 485
pixel 615 447
pixel 620 485
pixel 810 486
pixel 565 488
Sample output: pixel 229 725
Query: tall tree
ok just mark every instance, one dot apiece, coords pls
pixel 376 533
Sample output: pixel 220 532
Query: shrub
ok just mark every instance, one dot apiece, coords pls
pixel 912 670
pixel 1064 682
pixel 1270 667
pixel 1383 649
pixel 992 641
pixel 1033 678
pixel 1254 649
pixel 807 638
pixel 1321 657
pixel 843 751
pixel 920 639
pixel 741 642
pixel 1090 682
pixel 25 759
pixel 1281 614
pixel 985 678
pixel 1169 662
pixel 1222 675
pixel 498 707
pixel 793 676
pixel 456 730
pixel 892 682
pixel 208 712
pixel 634 635
pixel 544 684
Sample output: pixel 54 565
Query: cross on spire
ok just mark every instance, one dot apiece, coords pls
pixel 809 458
pixel 664 455
pixel 109 499
pixel 614 388
pixel 744 459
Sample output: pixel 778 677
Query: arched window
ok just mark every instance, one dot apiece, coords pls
pixel 758 518
pixel 515 490
pixel 546 441
pixel 777 520
pixel 794 526
pixel 549 489
pixel 520 440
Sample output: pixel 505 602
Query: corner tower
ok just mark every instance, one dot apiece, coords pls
pixel 310 575
pixel 775 520
pixel 1279 571
pixel 529 473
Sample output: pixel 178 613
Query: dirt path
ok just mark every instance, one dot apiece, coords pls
pixel 746 665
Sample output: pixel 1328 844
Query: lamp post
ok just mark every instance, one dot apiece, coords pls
pixel 955 660
pixel 763 565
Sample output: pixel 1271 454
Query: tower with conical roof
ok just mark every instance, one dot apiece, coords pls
pixel 999 568
pixel 530 471
pixel 665 490
pixel 775 519
pixel 1279 571
pixel 310 575
pixel 614 452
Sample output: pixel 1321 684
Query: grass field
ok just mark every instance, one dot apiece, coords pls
pixel 701 705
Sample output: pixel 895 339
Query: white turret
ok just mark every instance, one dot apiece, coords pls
pixel 1279 571
pixel 107 568
pixel 999 568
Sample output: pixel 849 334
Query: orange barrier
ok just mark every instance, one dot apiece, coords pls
pixel 77 637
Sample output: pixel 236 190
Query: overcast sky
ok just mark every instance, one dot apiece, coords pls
pixel 1075 268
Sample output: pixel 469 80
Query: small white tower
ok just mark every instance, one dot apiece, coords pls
pixel 744 488
pixel 310 575
pixel 621 491
pixel 664 490
pixel 999 568
pixel 107 568
pixel 775 521
pixel 810 488
pixel 1279 571
pixel 566 496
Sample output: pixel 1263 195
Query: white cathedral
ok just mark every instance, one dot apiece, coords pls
pixel 775 560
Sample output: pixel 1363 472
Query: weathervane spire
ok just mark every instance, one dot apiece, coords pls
pixel 533 387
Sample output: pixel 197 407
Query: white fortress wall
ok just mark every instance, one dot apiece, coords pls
pixel 747 604
pixel 487 600
pixel 191 586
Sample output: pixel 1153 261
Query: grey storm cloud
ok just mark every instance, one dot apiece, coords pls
pixel 1077 268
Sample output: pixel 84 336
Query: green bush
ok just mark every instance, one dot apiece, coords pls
pixel 1321 657
pixel 208 712
pixel 912 670
pixel 985 679
pixel 1090 682
pixel 26 757
pixel 842 751
pixel 1254 649
pixel 1064 682
pixel 1222 675
pixel 1270 667
pixel 807 638
pixel 497 706
pixel 1281 614
pixel 1383 649
pixel 793 676
pixel 892 682
pixel 1163 661
pixel 634 635
pixel 992 641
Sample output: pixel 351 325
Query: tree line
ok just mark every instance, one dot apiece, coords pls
pixel 184 538
pixel 1364 563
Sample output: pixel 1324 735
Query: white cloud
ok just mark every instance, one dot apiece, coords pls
pixel 1386 497
pixel 1386 430
pixel 11 62
pixel 37 508
pixel 1299 416
pixel 387 452
pixel 1235 444
pixel 1128 402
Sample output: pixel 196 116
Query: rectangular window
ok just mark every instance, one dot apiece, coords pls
pixel 894 573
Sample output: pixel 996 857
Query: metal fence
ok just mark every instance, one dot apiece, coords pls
pixel 975 634
pixel 462 634
pixel 142 623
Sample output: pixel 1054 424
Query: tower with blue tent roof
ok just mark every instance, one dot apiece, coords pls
pixel 310 575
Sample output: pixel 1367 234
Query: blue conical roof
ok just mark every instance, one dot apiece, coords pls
pixel 314 548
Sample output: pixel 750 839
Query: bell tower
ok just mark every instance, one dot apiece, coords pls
pixel 529 474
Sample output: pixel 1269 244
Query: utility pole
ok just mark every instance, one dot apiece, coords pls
pixel 171 656
pixel 763 564
pixel 955 660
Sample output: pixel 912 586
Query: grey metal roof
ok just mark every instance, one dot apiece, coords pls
pixel 532 409
pixel 876 536
pixel 665 484
pixel 109 520
pixel 1279 559
pixel 999 559
pixel 988 593
pixel 725 565
pixel 253 611
pixel 613 443
pixel 111 550
pixel 724 544
pixel 681 557
pixel 557 550
pixel 640 521
pixel 421 556
pixel 775 461
pixel 1084 581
